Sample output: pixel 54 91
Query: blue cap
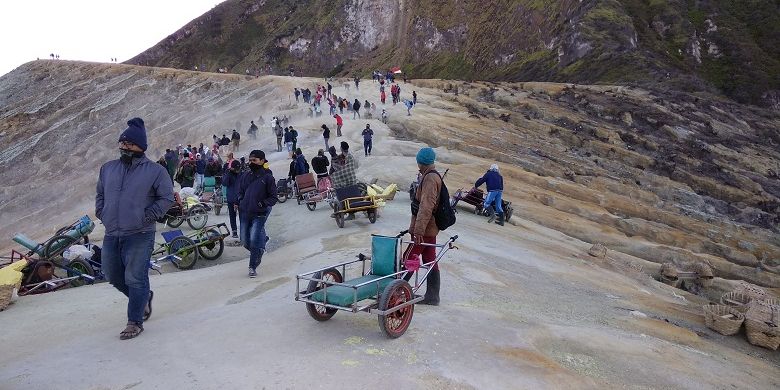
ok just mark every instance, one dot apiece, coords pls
pixel 135 133
pixel 426 156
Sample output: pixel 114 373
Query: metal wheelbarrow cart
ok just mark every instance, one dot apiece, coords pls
pixel 381 288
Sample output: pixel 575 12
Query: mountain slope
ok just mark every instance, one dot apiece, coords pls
pixel 684 44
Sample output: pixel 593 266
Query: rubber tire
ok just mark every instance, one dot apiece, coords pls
pixel 314 286
pixel 217 209
pixel 508 213
pixel 83 267
pixel 174 222
pixel 281 198
pixel 48 253
pixel 398 286
pixel 340 220
pixel 188 256
pixel 219 244
pixel 372 216
pixel 197 210
pixel 311 206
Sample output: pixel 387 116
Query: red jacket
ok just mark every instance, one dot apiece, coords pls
pixel 339 121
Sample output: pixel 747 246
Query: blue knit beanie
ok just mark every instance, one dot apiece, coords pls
pixel 135 133
pixel 426 156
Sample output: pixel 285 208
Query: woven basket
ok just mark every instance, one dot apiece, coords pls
pixel 6 293
pixel 715 320
pixel 736 300
pixel 761 325
pixel 704 274
pixel 751 290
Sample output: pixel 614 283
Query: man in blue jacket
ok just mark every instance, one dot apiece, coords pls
pixel 256 196
pixel 133 192
pixel 495 187
pixel 230 180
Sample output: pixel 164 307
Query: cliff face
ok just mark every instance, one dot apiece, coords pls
pixel 681 44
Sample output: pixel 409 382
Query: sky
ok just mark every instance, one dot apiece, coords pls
pixel 89 30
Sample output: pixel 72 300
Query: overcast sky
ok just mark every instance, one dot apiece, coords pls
pixel 89 30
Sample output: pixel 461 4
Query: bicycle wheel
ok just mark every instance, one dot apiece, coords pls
pixel 79 267
pixel 184 248
pixel 198 217
pixel 213 245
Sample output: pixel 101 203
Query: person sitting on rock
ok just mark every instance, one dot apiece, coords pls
pixel 494 183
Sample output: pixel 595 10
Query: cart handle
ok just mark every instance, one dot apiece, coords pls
pixel 402 233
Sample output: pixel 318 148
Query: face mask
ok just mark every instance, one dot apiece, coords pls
pixel 126 156
pixel 255 167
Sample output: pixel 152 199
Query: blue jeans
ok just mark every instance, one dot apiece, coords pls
pixel 494 196
pixel 253 237
pixel 367 144
pixel 125 262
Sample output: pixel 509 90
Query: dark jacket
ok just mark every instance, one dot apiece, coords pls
pixel 130 198
pixel 231 181
pixel 326 132
pixel 287 137
pixel 493 181
pixel 235 135
pixel 301 166
pixel 224 141
pixel 200 166
pixel 320 165
pixel 356 106
pixel 256 193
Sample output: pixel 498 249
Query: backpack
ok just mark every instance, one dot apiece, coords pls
pixel 444 213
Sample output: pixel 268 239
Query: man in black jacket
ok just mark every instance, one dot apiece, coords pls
pixel 320 165
pixel 256 197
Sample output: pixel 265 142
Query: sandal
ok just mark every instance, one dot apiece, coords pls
pixel 132 330
pixel 148 308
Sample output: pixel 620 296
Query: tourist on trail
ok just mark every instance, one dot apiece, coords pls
pixel 224 141
pixel 330 87
pixel 339 124
pixel 368 136
pixel 200 170
pixel 382 95
pixel 301 165
pixel 288 143
pixel 320 166
pixel 279 136
pixel 256 197
pixel 326 135
pixel 132 194
pixel 186 174
pixel 236 138
pixel 494 183
pixel 408 103
pixel 384 116
pixel 230 181
pixel 357 83
pixel 423 224
pixel 294 136
pixel 171 161
pixel 297 94
pixel 414 97
pixel 344 168
pixel 356 109
pixel 213 168
pixel 253 130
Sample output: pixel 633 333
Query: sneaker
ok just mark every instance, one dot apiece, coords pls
pixel 234 235
pixel 252 273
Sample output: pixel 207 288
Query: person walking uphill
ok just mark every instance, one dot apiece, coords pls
pixel 368 136
pixel 133 192
pixel 423 224
pixel 326 135
pixel 494 183
pixel 356 109
pixel 339 123
pixel 230 181
pixel 256 197
pixel 236 138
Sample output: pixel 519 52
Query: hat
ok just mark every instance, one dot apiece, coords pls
pixel 344 145
pixel 494 167
pixel 197 155
pixel 426 156
pixel 257 154
pixel 135 133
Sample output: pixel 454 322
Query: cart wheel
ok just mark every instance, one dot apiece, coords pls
pixel 311 206
pixel 396 293
pixel 198 217
pixel 214 244
pixel 217 209
pixel 340 219
pixel 281 197
pixel 79 267
pixel 185 248
pixel 175 222
pixel 56 245
pixel 319 312
pixel 372 216
pixel 508 213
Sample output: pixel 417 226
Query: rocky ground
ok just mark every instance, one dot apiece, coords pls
pixel 524 306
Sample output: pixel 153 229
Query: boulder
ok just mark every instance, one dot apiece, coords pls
pixel 598 250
